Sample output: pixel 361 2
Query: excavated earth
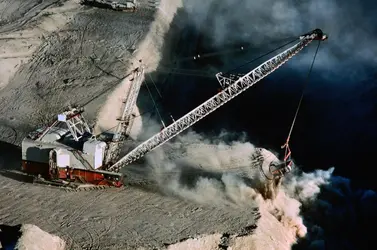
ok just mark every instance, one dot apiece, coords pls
pixel 56 52
pixel 124 218
pixel 115 219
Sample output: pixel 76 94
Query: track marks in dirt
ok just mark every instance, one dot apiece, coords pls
pixel 113 219
pixel 9 134
pixel 75 228
pixel 30 10
pixel 103 36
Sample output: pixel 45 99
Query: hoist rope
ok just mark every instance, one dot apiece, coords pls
pixel 154 103
pixel 194 72
pixel 155 86
pixel 259 57
pixel 204 73
pixel 226 51
pixel 286 145
pixel 160 100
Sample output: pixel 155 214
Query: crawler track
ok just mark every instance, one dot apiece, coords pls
pixel 70 187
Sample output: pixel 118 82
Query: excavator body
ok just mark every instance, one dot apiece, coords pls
pixel 231 85
pixel 67 152
pixel 74 154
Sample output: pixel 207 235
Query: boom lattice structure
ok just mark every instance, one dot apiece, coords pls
pixel 125 120
pixel 232 89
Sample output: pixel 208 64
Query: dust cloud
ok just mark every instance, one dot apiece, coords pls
pixel 148 53
pixel 303 211
pixel 217 172
pixel 272 19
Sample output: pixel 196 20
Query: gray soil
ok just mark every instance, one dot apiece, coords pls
pixel 78 64
pixel 81 63
pixel 124 218
pixel 115 219
pixel 17 14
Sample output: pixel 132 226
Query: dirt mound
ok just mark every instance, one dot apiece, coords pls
pixel 28 237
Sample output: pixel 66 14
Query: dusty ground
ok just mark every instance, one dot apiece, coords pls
pixel 205 208
pixel 65 54
pixel 58 52
pixel 24 27
pixel 114 218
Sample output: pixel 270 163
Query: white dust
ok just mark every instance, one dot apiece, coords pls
pixel 149 51
pixel 212 171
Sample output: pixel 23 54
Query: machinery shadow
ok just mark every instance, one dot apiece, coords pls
pixel 10 163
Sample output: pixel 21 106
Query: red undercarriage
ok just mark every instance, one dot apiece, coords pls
pixel 79 175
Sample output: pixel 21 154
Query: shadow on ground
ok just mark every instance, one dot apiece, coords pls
pixel 9 236
pixel 10 162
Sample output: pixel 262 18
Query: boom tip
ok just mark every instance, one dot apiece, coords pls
pixel 320 35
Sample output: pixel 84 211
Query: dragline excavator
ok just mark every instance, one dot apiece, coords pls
pixel 67 151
